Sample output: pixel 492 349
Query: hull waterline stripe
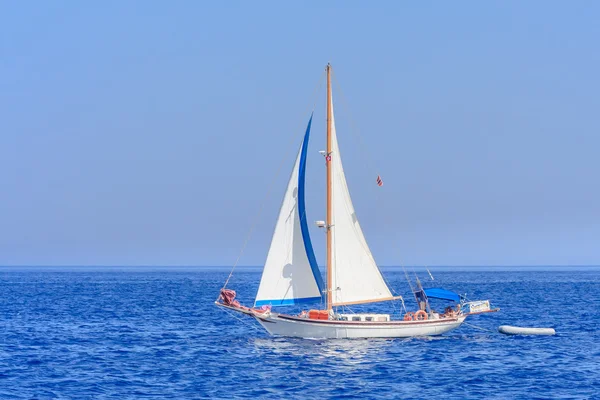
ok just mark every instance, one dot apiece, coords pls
pixel 287 302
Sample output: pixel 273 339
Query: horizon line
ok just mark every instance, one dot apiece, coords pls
pixel 320 266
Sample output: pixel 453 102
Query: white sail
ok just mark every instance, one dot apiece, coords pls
pixel 355 276
pixel 291 275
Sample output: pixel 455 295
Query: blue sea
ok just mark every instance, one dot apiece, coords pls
pixel 121 333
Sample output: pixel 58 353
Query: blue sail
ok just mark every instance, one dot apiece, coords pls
pixel 302 211
pixel 291 275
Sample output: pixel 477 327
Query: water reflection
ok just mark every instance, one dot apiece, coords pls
pixel 324 350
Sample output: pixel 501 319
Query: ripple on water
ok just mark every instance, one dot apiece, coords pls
pixel 134 333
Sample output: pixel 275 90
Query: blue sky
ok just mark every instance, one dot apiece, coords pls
pixel 148 133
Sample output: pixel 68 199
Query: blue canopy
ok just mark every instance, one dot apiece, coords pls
pixel 436 293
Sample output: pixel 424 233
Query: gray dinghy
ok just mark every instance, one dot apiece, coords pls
pixel 517 330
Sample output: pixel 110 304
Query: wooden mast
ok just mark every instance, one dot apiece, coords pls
pixel 329 211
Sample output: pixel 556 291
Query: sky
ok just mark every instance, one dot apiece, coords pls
pixel 162 133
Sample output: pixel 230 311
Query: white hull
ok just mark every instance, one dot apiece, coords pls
pixel 283 325
pixel 291 274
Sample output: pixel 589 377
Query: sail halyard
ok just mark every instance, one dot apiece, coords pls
pixel 291 274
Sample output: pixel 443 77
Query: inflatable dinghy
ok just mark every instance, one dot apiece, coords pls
pixel 517 330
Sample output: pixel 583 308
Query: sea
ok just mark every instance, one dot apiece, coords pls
pixel 154 332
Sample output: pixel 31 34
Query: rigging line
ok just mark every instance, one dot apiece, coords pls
pixel 403 305
pixel 408 280
pixel 356 132
pixel 478 327
pixel 257 217
pixel 354 127
pixel 431 276
pixel 415 273
pixel 398 311
pixel 368 160
pixel 232 313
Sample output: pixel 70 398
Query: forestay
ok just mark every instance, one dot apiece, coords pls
pixel 291 275
pixel 355 276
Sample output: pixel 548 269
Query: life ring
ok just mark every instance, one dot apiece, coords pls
pixel 421 316
pixel 408 316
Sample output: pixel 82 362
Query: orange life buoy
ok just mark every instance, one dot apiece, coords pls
pixel 408 316
pixel 421 315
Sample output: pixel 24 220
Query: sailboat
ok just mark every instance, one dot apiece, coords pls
pixel 291 276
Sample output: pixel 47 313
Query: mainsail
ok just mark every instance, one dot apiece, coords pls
pixel 291 274
pixel 355 276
